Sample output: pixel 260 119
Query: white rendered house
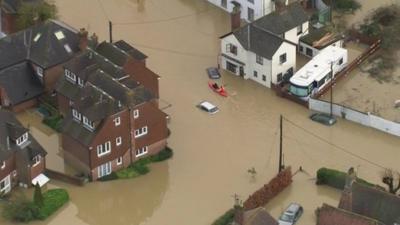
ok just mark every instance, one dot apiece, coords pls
pixel 250 9
pixel 265 50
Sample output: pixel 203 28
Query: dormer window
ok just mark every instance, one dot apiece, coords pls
pixel 77 116
pixel 36 160
pixel 117 121
pixel 39 71
pixel 88 124
pixel 136 113
pixel 80 82
pixel 3 165
pixel 21 140
pixel 70 76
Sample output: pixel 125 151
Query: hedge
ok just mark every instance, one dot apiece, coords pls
pixel 139 167
pixel 335 178
pixel 54 122
pixel 226 219
pixel 52 201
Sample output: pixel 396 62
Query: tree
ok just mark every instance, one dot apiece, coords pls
pixel 38 196
pixel 29 14
pixel 392 179
pixel 20 209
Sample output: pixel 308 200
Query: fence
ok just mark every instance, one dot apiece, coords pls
pixel 65 178
pixel 366 119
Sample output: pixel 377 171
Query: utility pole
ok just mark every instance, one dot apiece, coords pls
pixel 332 83
pixel 110 30
pixel 280 145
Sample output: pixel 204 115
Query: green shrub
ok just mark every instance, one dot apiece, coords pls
pixel 225 219
pixel 335 178
pixel 347 5
pixel 20 210
pixel 54 122
pixel 52 201
pixel 111 176
pixel 127 173
pixel 38 196
pixel 162 155
pixel 141 166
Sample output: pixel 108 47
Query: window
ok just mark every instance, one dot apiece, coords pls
pixel 279 77
pixel 3 165
pixel 231 67
pixel 224 3
pixel 321 82
pixel 250 14
pixel 117 121
pixel 14 173
pixel 136 113
pixel 59 35
pixel 67 48
pixel 140 132
pixel 36 160
pixel 119 161
pixel 76 115
pixel 71 102
pixel 264 78
pixel 37 37
pixel 21 140
pixel 141 151
pixel 5 185
pixel 103 150
pixel 255 74
pixel 309 52
pixel 259 60
pixel 299 29
pixel 301 48
pixel 340 61
pixel 80 82
pixel 39 71
pixel 282 58
pixel 87 123
pixel 118 141
pixel 231 48
pixel 104 169
pixel 70 76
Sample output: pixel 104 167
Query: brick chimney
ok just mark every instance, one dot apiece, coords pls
pixel 238 217
pixel 346 199
pixel 94 41
pixel 83 39
pixel 280 5
pixel 235 17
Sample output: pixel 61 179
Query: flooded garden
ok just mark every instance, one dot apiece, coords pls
pixel 212 152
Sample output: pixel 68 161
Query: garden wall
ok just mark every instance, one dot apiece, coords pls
pixel 269 191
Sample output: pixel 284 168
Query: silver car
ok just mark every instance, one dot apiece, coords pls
pixel 291 215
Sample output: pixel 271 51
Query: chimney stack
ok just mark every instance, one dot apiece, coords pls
pixel 94 40
pixel 83 39
pixel 235 17
pixel 280 5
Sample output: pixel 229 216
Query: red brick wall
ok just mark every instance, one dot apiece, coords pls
pixel 8 23
pixel 114 166
pixel 74 148
pixel 25 105
pixel 63 104
pixel 38 169
pixel 139 72
pixel 270 190
pixel 10 166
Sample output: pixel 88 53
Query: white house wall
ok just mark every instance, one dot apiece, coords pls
pixel 292 35
pixel 315 51
pixel 241 52
pixel 261 70
pixel 277 68
pixel 260 7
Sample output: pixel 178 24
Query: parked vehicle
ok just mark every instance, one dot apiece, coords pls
pixel 323 118
pixel 218 89
pixel 318 72
pixel 213 73
pixel 208 107
pixel 291 215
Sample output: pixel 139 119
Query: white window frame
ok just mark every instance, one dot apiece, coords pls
pixel 107 146
pixel 39 71
pixel 70 76
pixel 141 132
pixel 103 149
pixel 87 123
pixel 136 113
pixel 118 141
pixel 36 160
pixel 21 140
pixel 76 115
pixel 142 151
pixel 117 121
pixel 259 60
pixel 282 62
pixel 7 184
pixel 104 169
pixel 80 82
pixel 119 160
pixel 3 165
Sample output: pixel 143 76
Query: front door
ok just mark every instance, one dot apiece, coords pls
pixel 104 169
pixel 241 71
pixel 231 67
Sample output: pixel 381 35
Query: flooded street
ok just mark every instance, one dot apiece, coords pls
pixel 212 152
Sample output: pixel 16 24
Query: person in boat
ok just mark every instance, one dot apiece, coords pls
pixel 215 85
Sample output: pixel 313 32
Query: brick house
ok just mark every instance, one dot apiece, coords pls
pixel 111 120
pixel 329 215
pixel 31 61
pixel 132 61
pixel 22 159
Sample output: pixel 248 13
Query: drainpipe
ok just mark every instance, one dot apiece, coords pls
pixel 130 134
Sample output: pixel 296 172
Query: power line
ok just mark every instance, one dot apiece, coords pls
pixel 334 145
pixel 175 51
pixel 103 9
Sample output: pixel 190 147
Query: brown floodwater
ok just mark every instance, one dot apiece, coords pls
pixel 212 152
